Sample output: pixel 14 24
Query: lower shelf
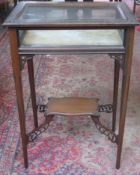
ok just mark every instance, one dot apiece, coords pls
pixel 73 106
pixel 76 106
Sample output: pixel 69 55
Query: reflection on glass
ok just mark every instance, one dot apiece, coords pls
pixel 63 14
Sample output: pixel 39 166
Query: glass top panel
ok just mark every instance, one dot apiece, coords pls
pixel 66 14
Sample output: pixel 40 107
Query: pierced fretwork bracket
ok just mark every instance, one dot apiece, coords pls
pixel 42 108
pixel 104 130
pixel 108 108
pixel 23 60
pixel 43 127
pixel 36 132
pixel 119 58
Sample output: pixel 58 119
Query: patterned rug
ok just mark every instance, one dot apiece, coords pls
pixel 71 145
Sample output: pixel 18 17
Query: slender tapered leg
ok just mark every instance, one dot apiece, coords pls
pixel 19 92
pixel 32 89
pixel 134 7
pixel 125 90
pixel 115 93
pixel 49 118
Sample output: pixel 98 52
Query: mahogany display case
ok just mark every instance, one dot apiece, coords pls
pixel 72 28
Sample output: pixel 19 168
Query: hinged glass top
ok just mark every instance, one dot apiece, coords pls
pixel 59 14
pixel 68 13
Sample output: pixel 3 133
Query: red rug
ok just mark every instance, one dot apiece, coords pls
pixel 138 28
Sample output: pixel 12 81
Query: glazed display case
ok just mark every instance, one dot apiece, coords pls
pixel 72 28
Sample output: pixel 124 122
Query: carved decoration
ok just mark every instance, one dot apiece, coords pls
pixel 43 127
pixel 42 108
pixel 119 57
pixel 104 130
pixel 23 60
pixel 108 108
pixel 36 132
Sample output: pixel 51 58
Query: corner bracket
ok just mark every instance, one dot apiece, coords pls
pixel 23 60
pixel 119 58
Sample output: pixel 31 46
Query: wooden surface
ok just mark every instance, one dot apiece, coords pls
pixel 126 21
pixel 72 106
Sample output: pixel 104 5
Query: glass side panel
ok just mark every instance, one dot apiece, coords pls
pixel 62 38
pixel 68 13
